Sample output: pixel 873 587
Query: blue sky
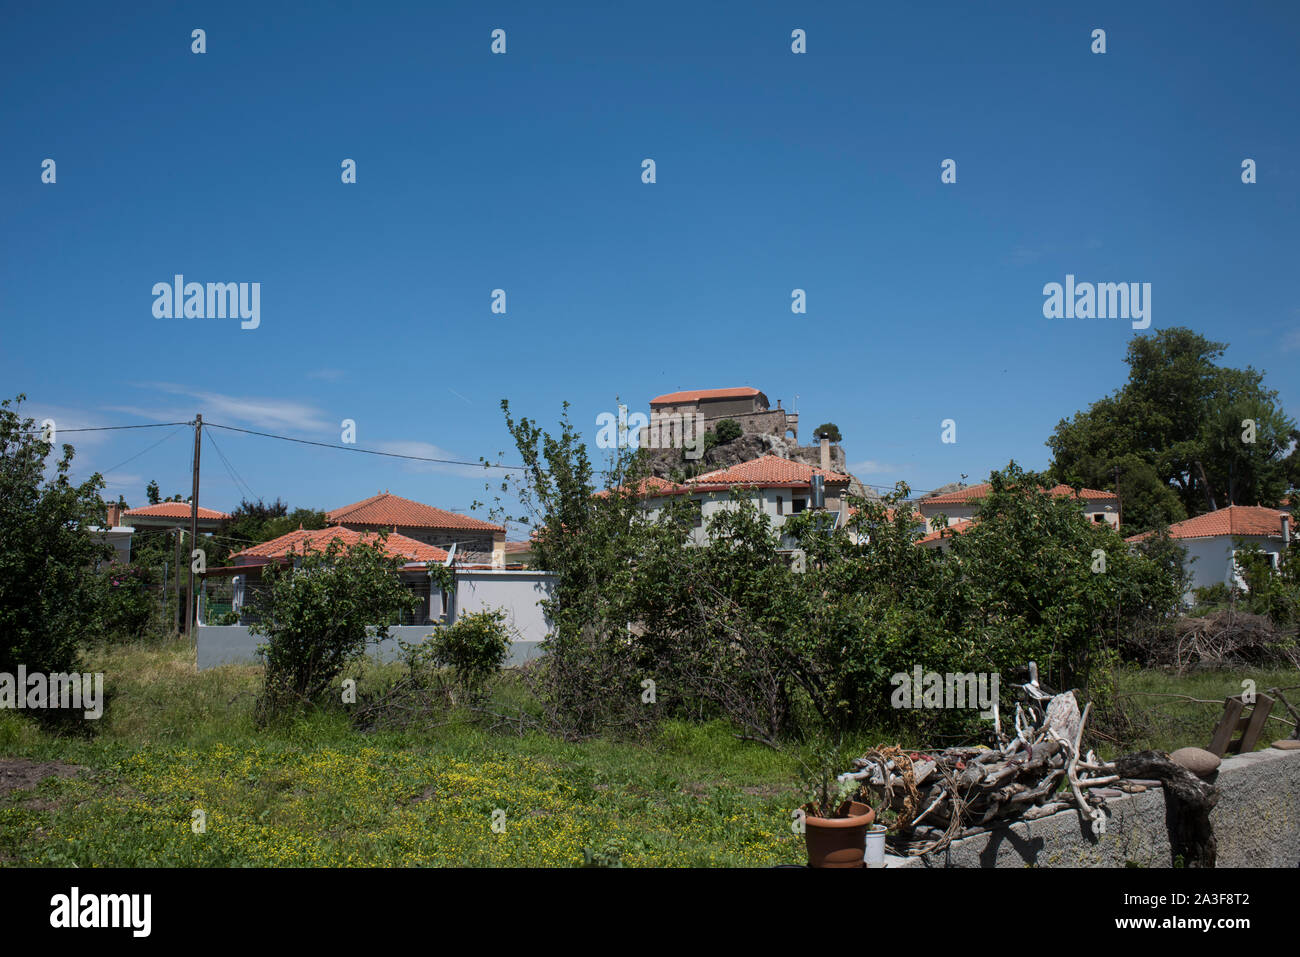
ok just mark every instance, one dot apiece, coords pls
pixel 775 171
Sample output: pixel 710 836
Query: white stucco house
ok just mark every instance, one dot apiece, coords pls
pixel 115 533
pixel 1212 541
pixel 961 505
pixel 778 487
pixel 961 508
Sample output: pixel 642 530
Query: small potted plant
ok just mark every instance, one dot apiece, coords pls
pixel 836 823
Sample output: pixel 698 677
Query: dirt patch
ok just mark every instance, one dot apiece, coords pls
pixel 770 791
pixel 19 774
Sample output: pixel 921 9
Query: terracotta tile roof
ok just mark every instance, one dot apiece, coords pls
pixel 975 493
pixel 1087 494
pixel 318 540
pixel 514 548
pixel 172 510
pixel 1233 520
pixel 891 512
pixel 650 485
pixel 388 510
pixel 958 527
pixel 768 470
pixel 673 398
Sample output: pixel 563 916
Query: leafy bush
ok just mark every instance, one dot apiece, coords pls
pixel 128 610
pixel 730 629
pixel 728 430
pixel 48 596
pixel 321 614
pixel 474 648
pixel 1273 592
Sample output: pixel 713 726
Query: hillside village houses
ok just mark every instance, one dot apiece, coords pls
pixel 765 464
pixel 777 487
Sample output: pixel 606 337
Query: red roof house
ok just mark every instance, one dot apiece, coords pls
pixel 174 515
pixel 1212 540
pixel 475 540
pixel 1098 505
pixel 318 540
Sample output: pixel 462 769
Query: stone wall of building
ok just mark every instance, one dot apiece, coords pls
pixel 473 545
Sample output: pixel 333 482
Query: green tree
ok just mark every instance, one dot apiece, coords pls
pixel 783 642
pixel 1033 579
pixel 589 679
pixel 1184 435
pixel 828 430
pixel 49 598
pixel 252 523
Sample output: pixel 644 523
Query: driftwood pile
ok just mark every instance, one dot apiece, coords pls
pixel 1043 769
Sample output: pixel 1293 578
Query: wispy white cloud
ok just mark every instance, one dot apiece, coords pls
pixel 872 467
pixel 66 419
pixel 271 414
pixel 327 375
pixel 125 484
pixel 430 451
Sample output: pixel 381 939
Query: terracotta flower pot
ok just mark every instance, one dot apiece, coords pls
pixel 838 841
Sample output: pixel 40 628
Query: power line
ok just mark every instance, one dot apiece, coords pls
pixel 230 469
pixel 110 428
pixel 169 435
pixel 352 448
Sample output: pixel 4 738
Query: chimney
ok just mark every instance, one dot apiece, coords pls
pixel 114 516
pixel 826 454
pixel 818 492
pixel 1286 529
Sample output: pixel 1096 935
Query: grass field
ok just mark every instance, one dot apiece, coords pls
pixel 317 792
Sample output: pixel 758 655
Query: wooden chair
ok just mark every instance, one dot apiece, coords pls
pixel 1235 719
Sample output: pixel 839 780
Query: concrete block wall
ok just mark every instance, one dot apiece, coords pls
pixel 518 593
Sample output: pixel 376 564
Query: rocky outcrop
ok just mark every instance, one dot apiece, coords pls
pixel 672 464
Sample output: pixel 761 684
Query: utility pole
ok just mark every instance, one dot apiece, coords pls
pixel 177 534
pixel 1119 501
pixel 194 524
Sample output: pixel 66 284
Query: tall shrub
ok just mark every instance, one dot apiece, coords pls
pixel 48 595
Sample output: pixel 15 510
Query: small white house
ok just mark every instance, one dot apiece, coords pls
pixel 776 486
pixel 1212 541
pixel 963 505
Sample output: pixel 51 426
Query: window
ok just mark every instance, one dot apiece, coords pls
pixel 698 506
pixel 797 505
pixel 780 505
